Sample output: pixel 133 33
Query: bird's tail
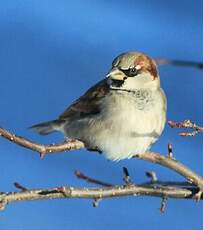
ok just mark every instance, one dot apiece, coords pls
pixel 47 127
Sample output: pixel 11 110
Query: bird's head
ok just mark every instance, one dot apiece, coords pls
pixel 131 71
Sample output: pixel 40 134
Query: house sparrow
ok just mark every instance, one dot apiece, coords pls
pixel 120 116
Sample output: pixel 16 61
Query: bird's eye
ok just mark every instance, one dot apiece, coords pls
pixel 131 72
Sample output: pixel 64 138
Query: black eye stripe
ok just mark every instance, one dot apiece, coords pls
pixel 131 72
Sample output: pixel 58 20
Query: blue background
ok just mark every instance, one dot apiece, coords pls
pixel 51 51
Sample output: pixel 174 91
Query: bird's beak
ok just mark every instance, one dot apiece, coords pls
pixel 116 74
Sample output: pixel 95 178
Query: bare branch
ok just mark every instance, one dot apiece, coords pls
pixel 163 61
pixel 190 190
pixel 41 149
pixel 148 156
pixel 170 150
pixel 187 124
pixel 19 186
pixel 88 179
pixel 174 165
pixel 155 190
pixel 126 178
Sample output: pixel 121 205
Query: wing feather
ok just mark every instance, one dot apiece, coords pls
pixel 87 104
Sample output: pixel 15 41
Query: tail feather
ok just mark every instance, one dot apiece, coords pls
pixel 47 127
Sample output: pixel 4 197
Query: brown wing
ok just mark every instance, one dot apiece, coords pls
pixel 88 103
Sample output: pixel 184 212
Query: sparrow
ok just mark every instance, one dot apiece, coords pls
pixel 122 115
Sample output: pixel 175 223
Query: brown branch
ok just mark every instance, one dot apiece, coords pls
pixel 19 186
pixel 41 149
pixel 88 179
pixel 187 124
pixel 100 193
pixel 153 188
pixel 66 146
pixel 153 181
pixel 163 61
pixel 152 175
pixel 174 165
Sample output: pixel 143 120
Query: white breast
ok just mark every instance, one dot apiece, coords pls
pixel 130 123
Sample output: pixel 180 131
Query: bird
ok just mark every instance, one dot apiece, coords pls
pixel 122 115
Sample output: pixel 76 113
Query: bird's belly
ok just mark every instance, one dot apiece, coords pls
pixel 123 136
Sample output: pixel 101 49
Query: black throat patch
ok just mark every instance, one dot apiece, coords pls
pixel 117 83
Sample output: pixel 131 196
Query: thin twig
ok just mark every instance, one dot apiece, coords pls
pixel 126 178
pixel 170 151
pixel 152 175
pixel 19 186
pixel 88 179
pixel 187 124
pixel 163 61
pixel 154 181
pixel 163 204
pixel 96 202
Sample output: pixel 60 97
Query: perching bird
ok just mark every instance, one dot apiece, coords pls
pixel 120 116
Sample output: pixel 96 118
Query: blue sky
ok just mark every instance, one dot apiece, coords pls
pixel 50 53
